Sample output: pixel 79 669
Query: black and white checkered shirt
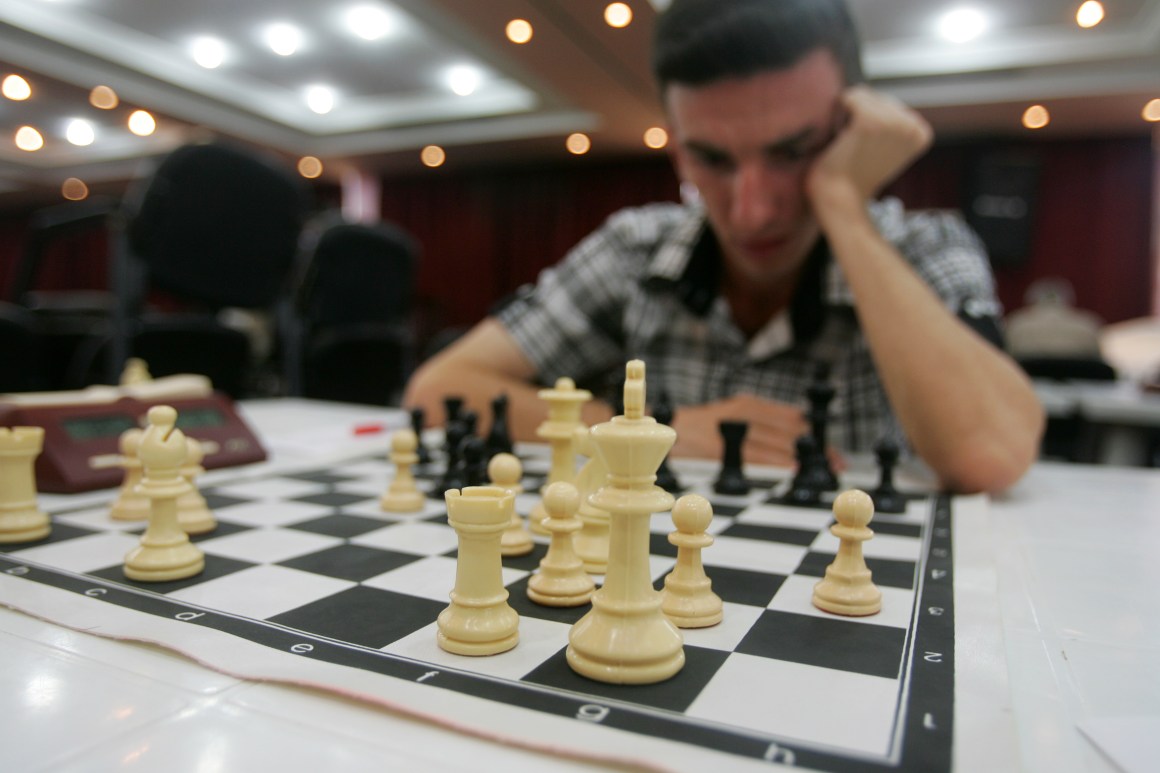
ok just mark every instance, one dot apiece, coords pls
pixel 645 285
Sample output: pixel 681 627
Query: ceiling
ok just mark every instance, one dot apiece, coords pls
pixel 576 74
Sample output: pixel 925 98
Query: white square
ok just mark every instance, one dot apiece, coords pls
pixel 754 555
pixel 431 578
pixel 372 509
pixel 83 554
pixel 262 591
pixel 424 539
pixel 268 545
pixel 802 703
pixel 889 546
pixel 272 489
pixel 272 513
pixel 99 518
pixel 805 518
pixel 797 592
pixel 539 640
pixel 727 634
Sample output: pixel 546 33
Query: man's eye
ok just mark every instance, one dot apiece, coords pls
pixel 716 161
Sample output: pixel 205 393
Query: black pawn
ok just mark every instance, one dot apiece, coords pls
pixel 417 421
pixel 452 477
pixel 887 499
pixel 666 478
pixel 499 439
pixel 820 394
pixel 809 482
pixel 473 461
pixel 731 480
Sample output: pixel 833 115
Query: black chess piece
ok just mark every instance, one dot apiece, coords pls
pixel 418 419
pixel 810 480
pixel 499 439
pixel 452 477
pixel 887 499
pixel 666 478
pixel 731 479
pixel 473 461
pixel 820 394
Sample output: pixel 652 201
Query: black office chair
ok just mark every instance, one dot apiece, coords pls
pixel 214 227
pixel 356 342
pixel 1068 438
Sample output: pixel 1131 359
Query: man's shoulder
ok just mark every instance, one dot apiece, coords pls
pixel 650 223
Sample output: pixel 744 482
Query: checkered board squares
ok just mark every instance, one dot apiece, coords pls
pixel 310 557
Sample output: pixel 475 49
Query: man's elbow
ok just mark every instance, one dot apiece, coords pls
pixel 990 463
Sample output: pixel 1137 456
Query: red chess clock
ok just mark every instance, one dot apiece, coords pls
pixel 82 430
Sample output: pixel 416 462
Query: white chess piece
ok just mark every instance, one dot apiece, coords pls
pixel 591 542
pixel 688 598
pixel 505 471
pixel 193 512
pixel 21 520
pixel 129 505
pixel 846 589
pixel 564 403
pixel 165 552
pixel 561 580
pixel 402 495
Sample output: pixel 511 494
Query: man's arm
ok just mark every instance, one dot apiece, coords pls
pixel 968 409
pixel 484 363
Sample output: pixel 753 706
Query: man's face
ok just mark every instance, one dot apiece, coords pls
pixel 747 144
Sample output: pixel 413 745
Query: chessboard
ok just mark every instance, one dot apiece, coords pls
pixel 307 581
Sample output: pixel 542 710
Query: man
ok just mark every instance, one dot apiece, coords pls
pixel 783 264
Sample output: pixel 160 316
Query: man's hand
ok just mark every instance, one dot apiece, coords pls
pixel 879 138
pixel 773 429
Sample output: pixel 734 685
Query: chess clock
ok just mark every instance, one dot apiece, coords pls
pixel 82 429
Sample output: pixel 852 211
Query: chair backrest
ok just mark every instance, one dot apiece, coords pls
pixel 1066 368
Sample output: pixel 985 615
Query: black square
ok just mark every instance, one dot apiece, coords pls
pixel 217 502
pixel 321 476
pixel 741 586
pixel 519 601
pixel 222 529
pixel 886 572
pixel 722 508
pixel 785 534
pixel 333 499
pixel 879 526
pixel 361 615
pixel 529 562
pixel 345 526
pixel 673 694
pixel 61 532
pixel 863 648
pixel 350 562
pixel 215 566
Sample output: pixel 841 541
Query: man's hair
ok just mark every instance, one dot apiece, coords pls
pixel 697 42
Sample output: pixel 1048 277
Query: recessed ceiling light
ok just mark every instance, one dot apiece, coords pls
pixel 283 39
pixel 320 99
pixel 208 52
pixel 141 123
pixel 1036 117
pixel 617 15
pixel 369 22
pixel 80 132
pixel 29 139
pixel 103 98
pixel 578 144
pixel 74 189
pixel 962 24
pixel 518 30
pixel 310 167
pixel 16 88
pixel 1090 14
pixel 656 138
pixel 463 79
pixel 432 156
pixel 1151 111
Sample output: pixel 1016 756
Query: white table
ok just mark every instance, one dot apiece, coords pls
pixel 1077 617
pixel 1124 416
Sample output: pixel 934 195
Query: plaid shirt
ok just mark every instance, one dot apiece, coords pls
pixel 645 285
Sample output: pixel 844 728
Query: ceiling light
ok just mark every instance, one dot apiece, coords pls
pixel 656 138
pixel 283 39
pixel 310 167
pixel 618 15
pixel 432 156
pixel 74 189
pixel 1090 14
pixel 15 88
pixel 518 30
pixel 320 99
pixel 962 24
pixel 1151 111
pixel 578 144
pixel 29 139
pixel 463 79
pixel 103 98
pixel 208 52
pixel 369 22
pixel 80 132
pixel 1036 117
pixel 141 123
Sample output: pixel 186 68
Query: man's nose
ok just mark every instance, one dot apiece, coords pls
pixel 760 195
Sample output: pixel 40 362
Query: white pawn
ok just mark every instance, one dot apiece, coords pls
pixel 165 552
pixel 21 519
pixel 846 588
pixel 193 512
pixel 688 598
pixel 135 372
pixel 129 505
pixel 402 495
pixel 505 471
pixel 561 581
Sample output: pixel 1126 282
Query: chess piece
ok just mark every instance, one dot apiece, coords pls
pixel 505 472
pixel 731 479
pixel 564 404
pixel 165 552
pixel 591 542
pixel 402 495
pixel 129 505
pixel 688 598
pixel 479 620
pixel 561 580
pixel 473 458
pixel 452 477
pixel 193 512
pixel 846 589
pixel 666 478
pixel 418 419
pixel 887 499
pixel 625 638
pixel 820 394
pixel 499 439
pixel 135 372
pixel 21 520
pixel 810 480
